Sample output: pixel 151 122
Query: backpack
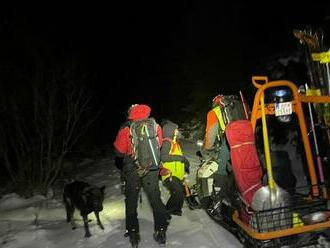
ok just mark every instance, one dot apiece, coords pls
pixel 146 149
pixel 232 109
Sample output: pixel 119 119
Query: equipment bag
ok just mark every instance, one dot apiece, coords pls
pixel 145 144
pixel 244 158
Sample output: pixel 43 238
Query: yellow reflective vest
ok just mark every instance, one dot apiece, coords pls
pixel 175 167
pixel 217 111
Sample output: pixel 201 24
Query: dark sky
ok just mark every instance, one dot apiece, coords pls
pixel 151 52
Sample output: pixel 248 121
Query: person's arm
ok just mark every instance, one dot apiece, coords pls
pixel 211 131
pixel 120 143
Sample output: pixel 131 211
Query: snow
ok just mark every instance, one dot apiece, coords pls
pixel 39 222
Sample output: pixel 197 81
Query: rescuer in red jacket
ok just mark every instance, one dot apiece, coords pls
pixel 133 181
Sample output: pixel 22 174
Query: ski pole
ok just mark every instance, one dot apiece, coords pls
pixel 244 106
pixel 318 157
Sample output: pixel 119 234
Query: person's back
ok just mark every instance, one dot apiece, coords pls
pixel 174 167
pixel 136 177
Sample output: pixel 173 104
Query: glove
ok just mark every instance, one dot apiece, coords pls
pixel 163 171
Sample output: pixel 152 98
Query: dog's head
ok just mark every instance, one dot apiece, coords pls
pixel 94 196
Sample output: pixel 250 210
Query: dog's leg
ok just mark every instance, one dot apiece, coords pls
pixel 68 213
pixel 69 209
pixel 87 232
pixel 71 217
pixel 98 220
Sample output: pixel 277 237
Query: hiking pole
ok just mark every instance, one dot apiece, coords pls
pixel 318 157
pixel 244 105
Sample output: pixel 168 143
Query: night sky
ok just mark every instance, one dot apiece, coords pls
pixel 156 53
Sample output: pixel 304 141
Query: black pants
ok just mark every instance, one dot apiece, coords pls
pixel 175 186
pixel 151 187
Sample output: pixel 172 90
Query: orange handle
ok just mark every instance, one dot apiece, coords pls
pixel 256 79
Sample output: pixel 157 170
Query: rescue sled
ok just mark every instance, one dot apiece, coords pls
pixel 276 218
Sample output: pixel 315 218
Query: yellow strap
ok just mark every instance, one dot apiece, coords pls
pixel 313 92
pixel 143 129
pixel 323 58
pixel 218 113
pixel 296 221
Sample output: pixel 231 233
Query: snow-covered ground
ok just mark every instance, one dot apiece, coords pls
pixel 40 223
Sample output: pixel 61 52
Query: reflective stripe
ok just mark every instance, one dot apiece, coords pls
pixel 217 111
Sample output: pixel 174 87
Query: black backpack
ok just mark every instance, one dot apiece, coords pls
pixel 146 149
pixel 232 108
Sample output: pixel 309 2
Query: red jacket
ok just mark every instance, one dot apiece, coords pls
pixel 122 142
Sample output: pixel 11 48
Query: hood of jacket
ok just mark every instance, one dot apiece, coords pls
pixel 168 129
pixel 138 112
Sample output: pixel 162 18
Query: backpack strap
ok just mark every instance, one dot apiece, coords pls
pixel 144 128
pixel 155 128
pixel 134 139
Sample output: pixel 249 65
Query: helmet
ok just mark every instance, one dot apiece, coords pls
pixel 217 100
pixel 130 108
pixel 138 112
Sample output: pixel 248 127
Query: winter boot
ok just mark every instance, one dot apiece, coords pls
pixel 192 203
pixel 134 237
pixel 177 212
pixel 170 212
pixel 160 236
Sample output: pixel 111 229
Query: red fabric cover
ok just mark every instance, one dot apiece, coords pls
pixel 139 112
pixel 244 158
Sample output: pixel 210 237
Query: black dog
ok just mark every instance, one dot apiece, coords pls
pixel 86 198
